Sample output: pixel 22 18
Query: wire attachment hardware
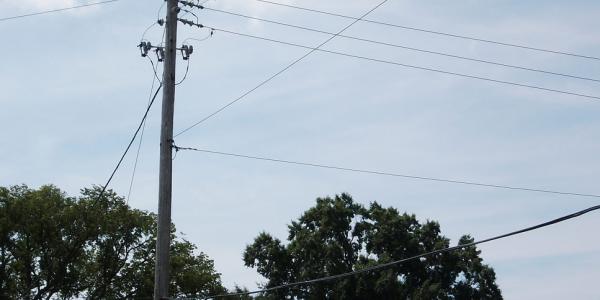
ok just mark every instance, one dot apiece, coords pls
pixel 191 4
pixel 186 51
pixel 190 23
pixel 145 48
pixel 160 53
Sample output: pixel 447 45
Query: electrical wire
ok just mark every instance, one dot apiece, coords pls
pixel 137 154
pixel 154 70
pixel 162 40
pixel 423 255
pixel 311 51
pixel 435 32
pixel 105 186
pixel 187 68
pixel 130 143
pixel 158 19
pixel 208 35
pixel 404 47
pixel 189 12
pixel 155 78
pixel 595 98
pixel 158 22
pixel 56 10
pixel 164 34
pixel 373 172
pixel 160 10
pixel 143 38
pixel 197 40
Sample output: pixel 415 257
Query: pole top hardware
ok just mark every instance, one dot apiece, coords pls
pixel 191 4
pixel 190 23
pixel 186 51
pixel 160 53
pixel 144 48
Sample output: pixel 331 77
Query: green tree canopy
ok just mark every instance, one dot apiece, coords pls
pixel 53 246
pixel 338 235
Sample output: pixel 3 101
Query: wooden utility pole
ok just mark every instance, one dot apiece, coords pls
pixel 163 243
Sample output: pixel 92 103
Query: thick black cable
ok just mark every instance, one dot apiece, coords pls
pixel 397 262
pixel 154 79
pixel 435 32
pixel 595 98
pixel 312 50
pixel 56 10
pixel 372 172
pixel 405 47
pixel 130 143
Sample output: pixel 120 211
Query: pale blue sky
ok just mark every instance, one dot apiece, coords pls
pixel 74 88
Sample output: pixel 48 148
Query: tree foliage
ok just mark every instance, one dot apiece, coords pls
pixel 53 246
pixel 338 235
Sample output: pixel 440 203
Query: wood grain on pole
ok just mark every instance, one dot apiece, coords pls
pixel 163 243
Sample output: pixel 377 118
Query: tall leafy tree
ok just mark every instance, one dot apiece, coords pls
pixel 53 246
pixel 338 235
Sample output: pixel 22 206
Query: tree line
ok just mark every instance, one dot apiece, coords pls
pixel 55 246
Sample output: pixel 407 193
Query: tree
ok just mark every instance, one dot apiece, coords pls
pixel 53 246
pixel 338 235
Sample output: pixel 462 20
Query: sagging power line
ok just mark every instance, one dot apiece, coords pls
pixel 139 147
pixel 314 49
pixel 489 41
pixel 383 173
pixel 595 98
pixel 276 74
pixel 55 10
pixel 404 47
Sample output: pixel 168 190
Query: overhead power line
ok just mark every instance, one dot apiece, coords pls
pixel 222 108
pixel 137 154
pixel 373 172
pixel 56 10
pixel 289 66
pixel 404 47
pixel 435 32
pixel 130 142
pixel 595 98
pixel 423 255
